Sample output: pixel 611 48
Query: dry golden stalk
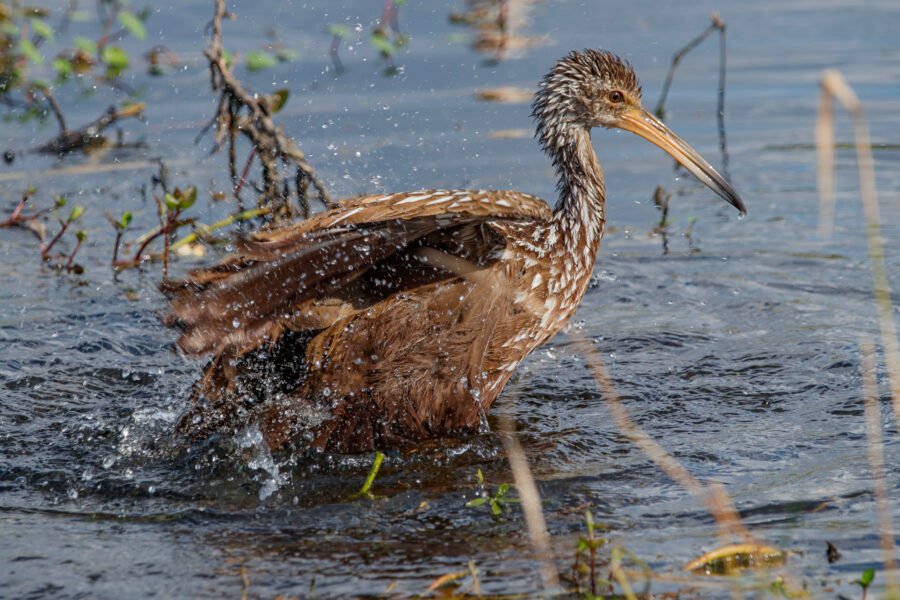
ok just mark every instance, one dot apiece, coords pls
pixel 531 502
pixel 714 497
pixel 834 86
pixel 876 463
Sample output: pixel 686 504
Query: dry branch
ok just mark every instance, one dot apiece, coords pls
pixel 240 111
pixel 716 24
pixel 90 135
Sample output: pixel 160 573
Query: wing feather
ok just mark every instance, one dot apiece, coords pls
pixel 297 277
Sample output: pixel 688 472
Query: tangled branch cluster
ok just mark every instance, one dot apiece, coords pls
pixel 240 111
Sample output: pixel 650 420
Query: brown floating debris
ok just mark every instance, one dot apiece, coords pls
pixel 832 553
pixel 509 134
pixel 506 94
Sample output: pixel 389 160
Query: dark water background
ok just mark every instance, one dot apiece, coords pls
pixel 738 350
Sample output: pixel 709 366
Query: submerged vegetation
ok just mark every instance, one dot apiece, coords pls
pixel 43 71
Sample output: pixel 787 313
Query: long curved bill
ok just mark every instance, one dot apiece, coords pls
pixel 642 123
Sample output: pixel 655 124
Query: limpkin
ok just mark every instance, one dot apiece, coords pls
pixel 400 317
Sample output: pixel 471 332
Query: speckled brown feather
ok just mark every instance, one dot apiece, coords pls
pixel 401 317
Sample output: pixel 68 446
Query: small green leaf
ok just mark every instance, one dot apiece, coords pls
pixel 866 578
pixel 479 476
pixel 171 201
pixel 63 67
pixel 86 45
pixel 496 508
pixel 186 198
pixel 42 29
pixel 338 30
pixel 30 52
pixel 279 99
pixel 133 24
pixel 60 202
pixel 502 490
pixel 125 221
pixel 76 213
pixel 81 235
pixel 116 60
pixel 399 3
pixel 383 44
pixel 228 57
pixel 259 60
pixel 476 502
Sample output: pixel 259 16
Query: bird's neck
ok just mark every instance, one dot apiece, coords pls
pixel 580 215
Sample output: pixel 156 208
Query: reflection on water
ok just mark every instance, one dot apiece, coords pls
pixel 499 25
pixel 737 350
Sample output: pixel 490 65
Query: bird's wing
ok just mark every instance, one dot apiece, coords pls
pixel 307 275
pixel 425 203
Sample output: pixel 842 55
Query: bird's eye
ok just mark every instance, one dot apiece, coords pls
pixel 616 96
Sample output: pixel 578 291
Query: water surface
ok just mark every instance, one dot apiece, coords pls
pixel 737 350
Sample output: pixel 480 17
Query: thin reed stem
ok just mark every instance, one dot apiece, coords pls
pixel 834 86
pixel 876 463
pixel 531 502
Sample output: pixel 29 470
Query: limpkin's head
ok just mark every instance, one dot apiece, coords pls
pixel 596 88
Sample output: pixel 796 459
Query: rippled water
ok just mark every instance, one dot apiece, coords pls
pixel 738 350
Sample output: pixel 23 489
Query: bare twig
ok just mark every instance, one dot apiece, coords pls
pixel 531 502
pixel 834 86
pixel 56 108
pixel 29 221
pixel 876 463
pixel 118 242
pixel 70 264
pixel 45 248
pixel 240 111
pixel 660 109
pixel 245 582
pixel 661 199
pixel 334 53
pixel 716 24
pixel 89 135
pixel 16 217
pixel 720 105
pixel 240 182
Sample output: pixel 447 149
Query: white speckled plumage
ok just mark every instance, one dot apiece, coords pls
pixel 405 314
